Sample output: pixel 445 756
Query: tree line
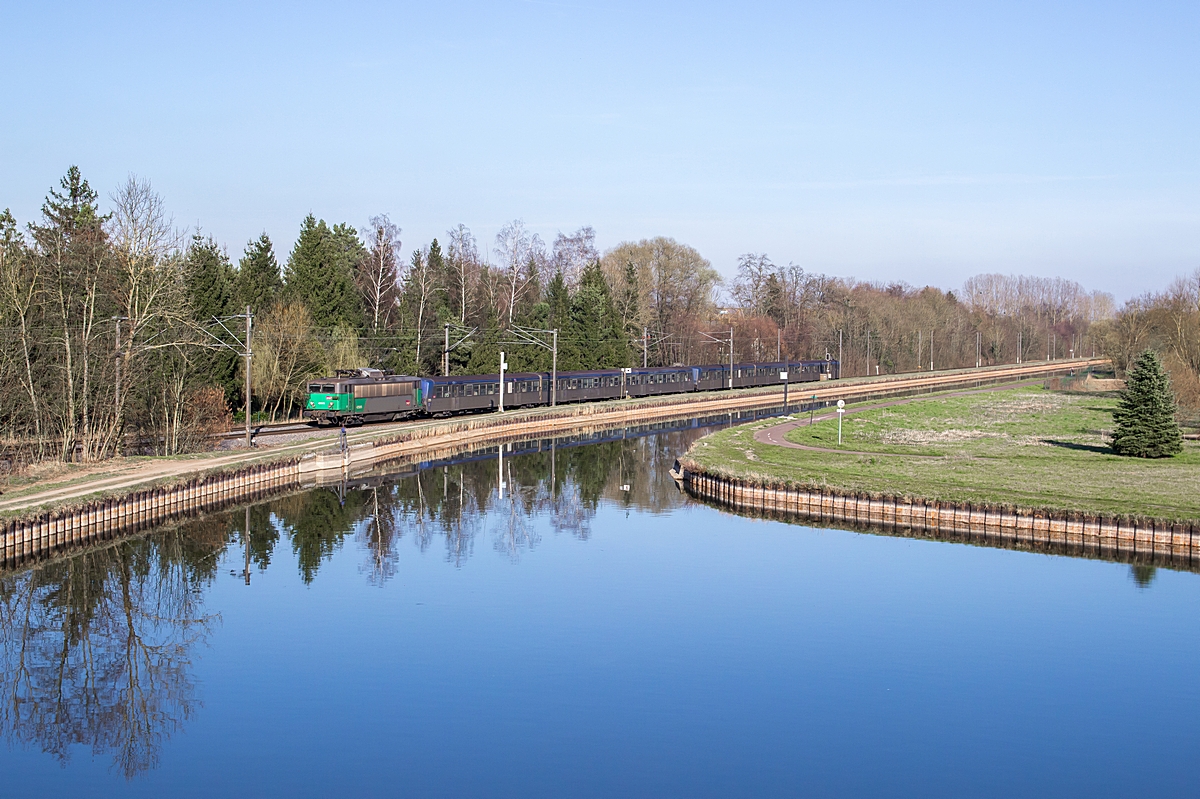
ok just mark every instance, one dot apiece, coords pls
pixel 126 332
pixel 1168 323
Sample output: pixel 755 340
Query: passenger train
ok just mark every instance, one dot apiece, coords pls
pixel 355 396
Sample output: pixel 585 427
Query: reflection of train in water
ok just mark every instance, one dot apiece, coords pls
pixel 370 395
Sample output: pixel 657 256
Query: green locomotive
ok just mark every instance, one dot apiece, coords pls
pixel 355 396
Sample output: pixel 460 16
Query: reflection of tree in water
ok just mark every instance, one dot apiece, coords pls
pixel 378 537
pixel 264 535
pixel 1142 574
pixel 448 504
pixel 514 505
pixel 96 649
pixel 317 522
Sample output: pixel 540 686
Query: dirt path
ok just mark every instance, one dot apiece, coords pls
pixel 776 435
pixel 140 473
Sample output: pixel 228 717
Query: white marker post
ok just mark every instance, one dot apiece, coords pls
pixel 503 366
pixel 784 377
pixel 841 412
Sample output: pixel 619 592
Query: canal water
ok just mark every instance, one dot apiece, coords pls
pixel 568 624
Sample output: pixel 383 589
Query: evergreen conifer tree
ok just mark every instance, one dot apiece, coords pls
pixel 320 273
pixel 209 278
pixel 485 354
pixel 558 303
pixel 631 300
pixel 258 279
pixel 594 339
pixel 1145 414
pixel 439 272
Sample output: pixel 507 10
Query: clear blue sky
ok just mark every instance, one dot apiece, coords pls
pixel 916 142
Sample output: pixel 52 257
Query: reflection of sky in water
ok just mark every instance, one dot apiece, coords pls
pixel 431 638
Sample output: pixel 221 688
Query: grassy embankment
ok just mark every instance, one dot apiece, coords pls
pixel 1030 448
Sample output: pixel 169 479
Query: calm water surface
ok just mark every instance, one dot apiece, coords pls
pixel 426 636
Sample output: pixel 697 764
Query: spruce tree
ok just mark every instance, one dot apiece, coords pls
pixel 320 273
pixel 594 339
pixel 209 279
pixel 631 300
pixel 258 279
pixel 558 302
pixel 485 354
pixel 438 273
pixel 1145 414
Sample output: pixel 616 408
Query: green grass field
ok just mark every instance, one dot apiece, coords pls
pixel 1026 447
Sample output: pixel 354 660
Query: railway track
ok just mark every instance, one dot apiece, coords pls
pixel 846 388
pixel 257 431
pixel 531 421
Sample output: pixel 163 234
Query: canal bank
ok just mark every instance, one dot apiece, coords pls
pixel 1027 467
pixel 47 521
pixel 1157 542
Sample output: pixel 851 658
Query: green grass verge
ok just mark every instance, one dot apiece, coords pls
pixel 1027 447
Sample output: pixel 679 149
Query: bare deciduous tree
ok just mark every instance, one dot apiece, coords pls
pixel 574 252
pixel 286 354
pixel 465 265
pixel 420 283
pixel 378 273
pixel 522 258
pixel 148 287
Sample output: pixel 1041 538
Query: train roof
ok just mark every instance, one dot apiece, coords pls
pixel 492 378
pixel 362 375
pixel 641 370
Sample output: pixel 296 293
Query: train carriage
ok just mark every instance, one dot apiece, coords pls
pixel 749 375
pixel 482 392
pixel 652 381
pixel 367 395
pixel 589 386
pixel 710 378
pixel 805 371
